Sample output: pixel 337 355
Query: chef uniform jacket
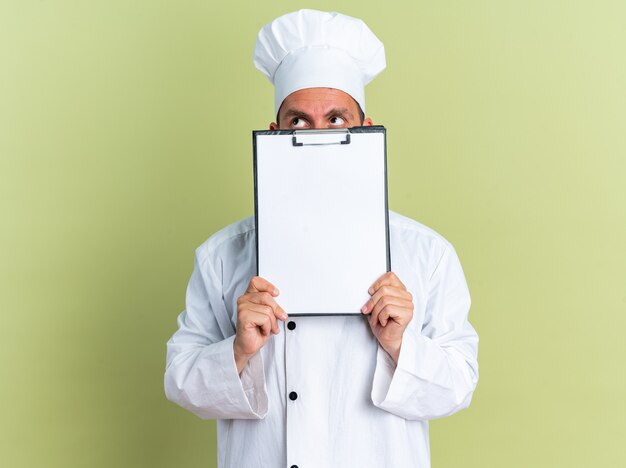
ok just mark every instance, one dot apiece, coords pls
pixel 323 393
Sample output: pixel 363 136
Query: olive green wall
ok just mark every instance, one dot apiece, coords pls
pixel 125 142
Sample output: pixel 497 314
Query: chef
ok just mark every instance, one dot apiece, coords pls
pixel 316 392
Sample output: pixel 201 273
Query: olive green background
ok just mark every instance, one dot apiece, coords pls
pixel 125 141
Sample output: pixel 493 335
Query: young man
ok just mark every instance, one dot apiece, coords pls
pixel 323 391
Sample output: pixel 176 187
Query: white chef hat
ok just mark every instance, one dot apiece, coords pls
pixel 315 49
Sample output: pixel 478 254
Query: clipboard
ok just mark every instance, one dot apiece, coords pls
pixel 321 216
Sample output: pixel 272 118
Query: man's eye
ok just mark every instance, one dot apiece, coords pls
pixel 298 122
pixel 337 121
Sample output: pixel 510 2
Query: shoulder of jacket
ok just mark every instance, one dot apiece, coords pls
pixel 409 227
pixel 225 236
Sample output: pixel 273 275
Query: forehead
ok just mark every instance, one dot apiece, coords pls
pixel 318 99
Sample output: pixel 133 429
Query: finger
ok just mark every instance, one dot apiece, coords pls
pixel 400 305
pixel 264 298
pixel 391 291
pixel 266 327
pixel 262 321
pixel 391 312
pixel 266 310
pixel 258 284
pixel 389 279
pixel 393 301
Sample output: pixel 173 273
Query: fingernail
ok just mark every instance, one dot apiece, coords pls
pixel 283 316
pixel 363 309
pixel 371 291
pixel 276 292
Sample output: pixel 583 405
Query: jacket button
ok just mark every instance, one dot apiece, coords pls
pixel 291 326
pixel 293 396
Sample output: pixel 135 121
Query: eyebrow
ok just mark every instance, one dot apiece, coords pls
pixel 341 111
pixel 289 113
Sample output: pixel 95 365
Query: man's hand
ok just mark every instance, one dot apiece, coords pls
pixel 257 314
pixel 391 309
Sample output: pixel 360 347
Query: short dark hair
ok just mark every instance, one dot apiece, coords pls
pixel 361 113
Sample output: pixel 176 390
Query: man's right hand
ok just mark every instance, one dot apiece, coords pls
pixel 257 315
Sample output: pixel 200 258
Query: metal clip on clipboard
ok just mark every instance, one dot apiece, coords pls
pixel 339 136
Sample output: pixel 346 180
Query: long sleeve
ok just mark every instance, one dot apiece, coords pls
pixel 201 374
pixel 437 370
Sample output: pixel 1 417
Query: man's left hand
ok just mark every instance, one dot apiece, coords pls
pixel 391 309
